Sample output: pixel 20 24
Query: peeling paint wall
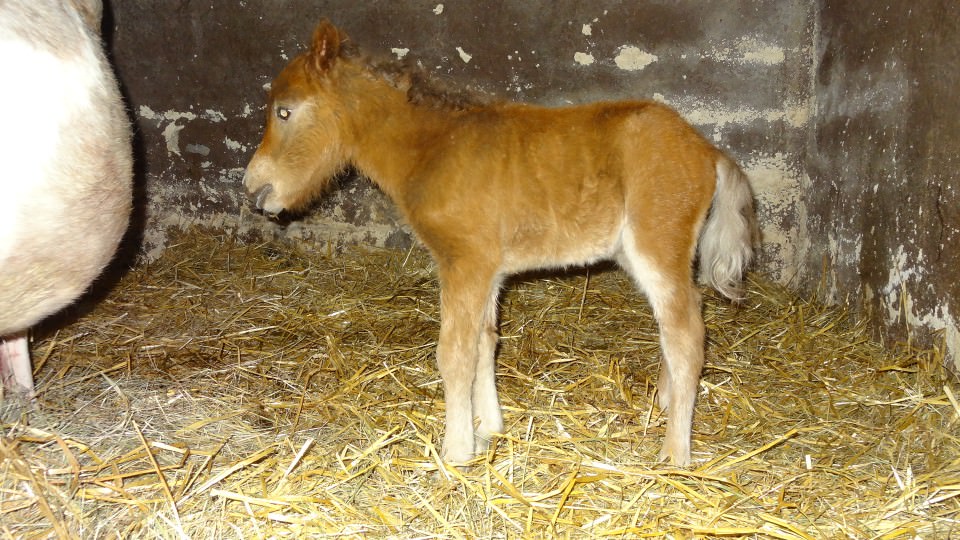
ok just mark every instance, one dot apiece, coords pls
pixel 824 107
pixel 883 201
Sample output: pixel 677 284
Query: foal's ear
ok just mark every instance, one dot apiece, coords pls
pixel 325 47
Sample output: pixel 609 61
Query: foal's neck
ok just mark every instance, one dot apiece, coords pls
pixel 389 134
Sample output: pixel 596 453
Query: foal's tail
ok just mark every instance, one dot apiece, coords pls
pixel 726 243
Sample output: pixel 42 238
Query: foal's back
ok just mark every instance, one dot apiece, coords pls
pixel 557 186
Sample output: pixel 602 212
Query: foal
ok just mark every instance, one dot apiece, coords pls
pixel 498 189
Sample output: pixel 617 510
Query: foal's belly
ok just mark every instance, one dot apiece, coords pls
pixel 562 247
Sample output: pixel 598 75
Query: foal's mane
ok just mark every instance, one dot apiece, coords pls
pixel 422 89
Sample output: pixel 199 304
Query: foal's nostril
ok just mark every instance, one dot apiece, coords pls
pixel 260 196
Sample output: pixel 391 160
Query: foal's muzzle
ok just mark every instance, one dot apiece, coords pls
pixel 259 197
pixel 259 200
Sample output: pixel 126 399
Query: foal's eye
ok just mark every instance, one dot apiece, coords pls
pixel 283 113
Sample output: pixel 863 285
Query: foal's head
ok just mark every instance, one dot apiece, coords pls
pixel 302 144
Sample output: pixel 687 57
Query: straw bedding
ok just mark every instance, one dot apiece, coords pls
pixel 261 390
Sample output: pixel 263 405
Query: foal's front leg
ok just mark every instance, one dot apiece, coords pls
pixel 462 303
pixel 486 406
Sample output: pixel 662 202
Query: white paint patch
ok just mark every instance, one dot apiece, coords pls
pixel 797 114
pixel 587 30
pixel 776 184
pixel 697 112
pixel 214 116
pixel 234 145
pixel 767 55
pixel 845 251
pixel 464 56
pixel 400 53
pixel 951 332
pixel 233 175
pixel 173 116
pixel 582 58
pixel 171 134
pixel 147 113
pixel 438 10
pixel 632 58
pixel 774 180
pixel 902 271
pixel 900 307
pixel 749 50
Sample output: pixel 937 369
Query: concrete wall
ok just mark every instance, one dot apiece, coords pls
pixel 194 73
pixel 831 112
pixel 883 202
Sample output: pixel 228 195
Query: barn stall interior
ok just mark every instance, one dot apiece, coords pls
pixel 234 376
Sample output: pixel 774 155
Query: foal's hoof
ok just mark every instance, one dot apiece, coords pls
pixel 677 458
pixel 460 461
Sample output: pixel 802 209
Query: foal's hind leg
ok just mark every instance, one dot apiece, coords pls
pixel 681 339
pixel 676 305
